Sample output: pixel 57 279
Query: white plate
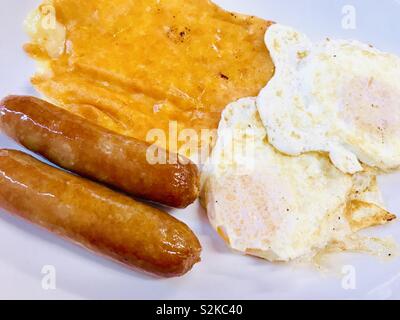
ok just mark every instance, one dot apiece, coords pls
pixel 25 249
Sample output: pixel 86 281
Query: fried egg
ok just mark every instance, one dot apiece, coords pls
pixel 337 97
pixel 280 207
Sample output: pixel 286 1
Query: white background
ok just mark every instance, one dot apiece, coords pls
pixel 25 249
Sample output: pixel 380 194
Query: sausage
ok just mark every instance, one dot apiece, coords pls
pixel 96 217
pixel 92 151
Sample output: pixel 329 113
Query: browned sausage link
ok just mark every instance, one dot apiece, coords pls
pixel 96 217
pixel 95 152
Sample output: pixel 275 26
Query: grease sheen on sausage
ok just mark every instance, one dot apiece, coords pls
pixel 96 217
pixel 95 152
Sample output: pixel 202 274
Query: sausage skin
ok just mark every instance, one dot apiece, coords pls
pixel 96 217
pixel 92 151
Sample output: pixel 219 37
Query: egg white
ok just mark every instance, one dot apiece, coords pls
pixel 339 97
pixel 275 206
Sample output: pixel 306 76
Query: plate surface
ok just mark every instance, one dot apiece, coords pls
pixel 27 253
